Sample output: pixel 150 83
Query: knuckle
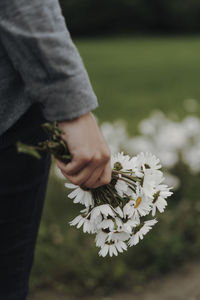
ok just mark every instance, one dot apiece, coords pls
pixel 106 156
pixel 103 157
pixel 97 158
pixel 105 180
pixel 85 158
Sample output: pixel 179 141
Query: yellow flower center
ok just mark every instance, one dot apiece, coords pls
pixel 138 201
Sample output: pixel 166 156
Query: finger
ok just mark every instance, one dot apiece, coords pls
pixel 84 158
pixel 94 177
pixel 83 175
pixel 105 178
pixel 60 165
pixel 64 174
pixel 73 167
pixel 92 171
pixel 79 162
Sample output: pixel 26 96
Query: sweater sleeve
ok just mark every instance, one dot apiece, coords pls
pixel 37 41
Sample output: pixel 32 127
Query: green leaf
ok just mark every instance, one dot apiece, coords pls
pixel 23 148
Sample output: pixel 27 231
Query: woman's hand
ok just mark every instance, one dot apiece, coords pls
pixel 90 164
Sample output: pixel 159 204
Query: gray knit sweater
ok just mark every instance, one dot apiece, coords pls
pixel 39 63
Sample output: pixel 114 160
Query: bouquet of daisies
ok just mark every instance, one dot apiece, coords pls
pixel 117 213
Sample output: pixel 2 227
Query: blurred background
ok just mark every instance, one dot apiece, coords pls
pixel 143 59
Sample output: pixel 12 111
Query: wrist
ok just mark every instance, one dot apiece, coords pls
pixel 75 120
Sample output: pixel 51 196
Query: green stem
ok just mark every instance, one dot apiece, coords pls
pixel 133 178
pixel 127 181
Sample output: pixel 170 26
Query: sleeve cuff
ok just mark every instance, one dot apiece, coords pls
pixel 58 108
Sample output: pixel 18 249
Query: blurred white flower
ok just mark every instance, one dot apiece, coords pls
pixel 191 125
pixel 191 105
pixel 115 135
pixel 172 180
pixel 171 141
pixel 191 157
pixel 171 136
pixel 150 125
pixel 138 144
pixel 169 158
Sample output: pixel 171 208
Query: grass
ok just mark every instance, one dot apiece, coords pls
pixel 131 76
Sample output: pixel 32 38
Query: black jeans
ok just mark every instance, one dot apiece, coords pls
pixel 23 181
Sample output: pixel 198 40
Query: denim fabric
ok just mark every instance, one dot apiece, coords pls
pixel 23 182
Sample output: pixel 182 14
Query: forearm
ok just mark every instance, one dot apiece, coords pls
pixel 38 43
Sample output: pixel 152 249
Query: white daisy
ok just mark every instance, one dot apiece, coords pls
pixel 111 249
pixel 117 227
pixel 148 161
pixel 120 246
pixel 79 195
pixel 118 224
pixel 139 235
pixel 140 205
pixel 104 209
pixel 106 224
pixel 78 221
pixel 130 224
pixel 117 236
pixel 121 187
pixel 159 203
pixel 122 160
pixel 114 248
pixel 150 181
pixel 128 209
pixel 88 227
pixel 100 238
pixel 119 211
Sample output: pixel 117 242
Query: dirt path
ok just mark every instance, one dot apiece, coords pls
pixel 181 285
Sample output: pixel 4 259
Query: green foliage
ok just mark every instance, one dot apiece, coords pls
pixel 131 77
pixel 53 144
pixel 23 148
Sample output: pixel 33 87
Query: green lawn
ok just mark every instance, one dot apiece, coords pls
pixel 132 76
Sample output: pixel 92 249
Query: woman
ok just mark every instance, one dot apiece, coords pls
pixel 42 78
